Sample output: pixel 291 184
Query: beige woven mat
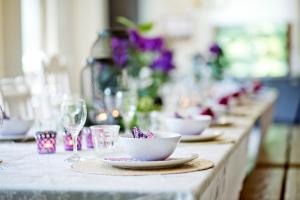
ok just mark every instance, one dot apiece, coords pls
pixel 97 167
pixel 218 140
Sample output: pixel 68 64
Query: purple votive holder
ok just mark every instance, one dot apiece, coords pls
pixel 89 138
pixel 46 142
pixel 68 142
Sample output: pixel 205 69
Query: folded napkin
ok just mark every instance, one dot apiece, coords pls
pixel 225 100
pixel 208 111
pixel 236 94
pixel 257 86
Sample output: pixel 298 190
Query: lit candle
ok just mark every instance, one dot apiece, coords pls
pixel 68 142
pixel 46 142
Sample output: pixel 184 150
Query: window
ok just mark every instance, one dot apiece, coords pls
pixel 256 50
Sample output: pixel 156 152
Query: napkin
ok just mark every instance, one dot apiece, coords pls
pixel 208 111
pixel 225 100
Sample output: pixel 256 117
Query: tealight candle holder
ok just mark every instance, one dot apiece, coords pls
pixel 89 137
pixel 46 142
pixel 68 142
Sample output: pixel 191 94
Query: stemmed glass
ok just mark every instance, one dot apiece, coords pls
pixel 127 105
pixel 1 116
pixel 73 117
pixel 1 121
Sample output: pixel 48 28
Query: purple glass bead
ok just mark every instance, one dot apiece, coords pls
pixel 46 142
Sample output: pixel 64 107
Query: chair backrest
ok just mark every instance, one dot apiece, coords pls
pixel 16 97
pixel 57 77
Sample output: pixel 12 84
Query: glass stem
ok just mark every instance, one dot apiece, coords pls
pixel 75 151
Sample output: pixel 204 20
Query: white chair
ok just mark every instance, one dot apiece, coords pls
pixel 16 97
pixel 56 78
pixel 57 85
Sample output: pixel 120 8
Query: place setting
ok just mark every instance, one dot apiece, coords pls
pixel 145 153
pixel 15 128
pixel 196 128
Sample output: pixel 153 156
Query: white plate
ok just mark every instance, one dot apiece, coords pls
pixel 222 122
pixel 126 162
pixel 205 136
pixel 15 137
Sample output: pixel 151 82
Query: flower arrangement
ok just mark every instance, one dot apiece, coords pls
pixel 217 61
pixel 146 59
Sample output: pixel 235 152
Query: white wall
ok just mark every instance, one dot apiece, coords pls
pixel 57 27
pixel 10 38
pixel 1 40
pixel 72 28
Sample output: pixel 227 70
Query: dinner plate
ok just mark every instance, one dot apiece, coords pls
pixel 15 137
pixel 222 122
pixel 205 136
pixel 126 162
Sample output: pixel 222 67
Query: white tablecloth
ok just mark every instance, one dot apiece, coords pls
pixel 24 174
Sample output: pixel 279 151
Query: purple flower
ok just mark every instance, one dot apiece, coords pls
pixel 215 49
pixel 146 44
pixel 163 62
pixel 120 51
pixel 137 133
pixel 153 44
pixel 178 116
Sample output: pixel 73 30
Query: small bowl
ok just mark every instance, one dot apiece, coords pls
pixel 15 126
pixel 158 148
pixel 186 126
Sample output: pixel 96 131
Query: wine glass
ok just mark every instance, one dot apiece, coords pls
pixel 73 117
pixel 127 106
pixel 1 116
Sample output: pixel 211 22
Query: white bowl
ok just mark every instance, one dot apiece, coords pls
pixel 186 126
pixel 15 126
pixel 158 148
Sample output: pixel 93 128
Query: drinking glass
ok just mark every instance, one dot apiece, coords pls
pixel 73 117
pixel 127 107
pixel 105 136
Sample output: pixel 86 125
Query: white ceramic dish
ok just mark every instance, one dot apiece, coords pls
pixel 221 122
pixel 16 127
pixel 126 162
pixel 186 126
pixel 205 136
pixel 158 148
pixel 16 137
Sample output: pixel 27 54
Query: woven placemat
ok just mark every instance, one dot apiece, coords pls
pixel 94 166
pixel 218 140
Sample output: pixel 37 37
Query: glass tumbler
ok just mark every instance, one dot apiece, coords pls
pixel 105 137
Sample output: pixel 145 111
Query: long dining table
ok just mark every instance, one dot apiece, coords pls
pixel 25 174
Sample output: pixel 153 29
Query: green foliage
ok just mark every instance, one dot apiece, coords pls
pixel 143 28
pixel 257 50
pixel 126 22
pixel 218 66
pixel 146 27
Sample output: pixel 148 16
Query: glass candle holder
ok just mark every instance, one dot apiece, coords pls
pixel 46 142
pixel 89 137
pixel 68 142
